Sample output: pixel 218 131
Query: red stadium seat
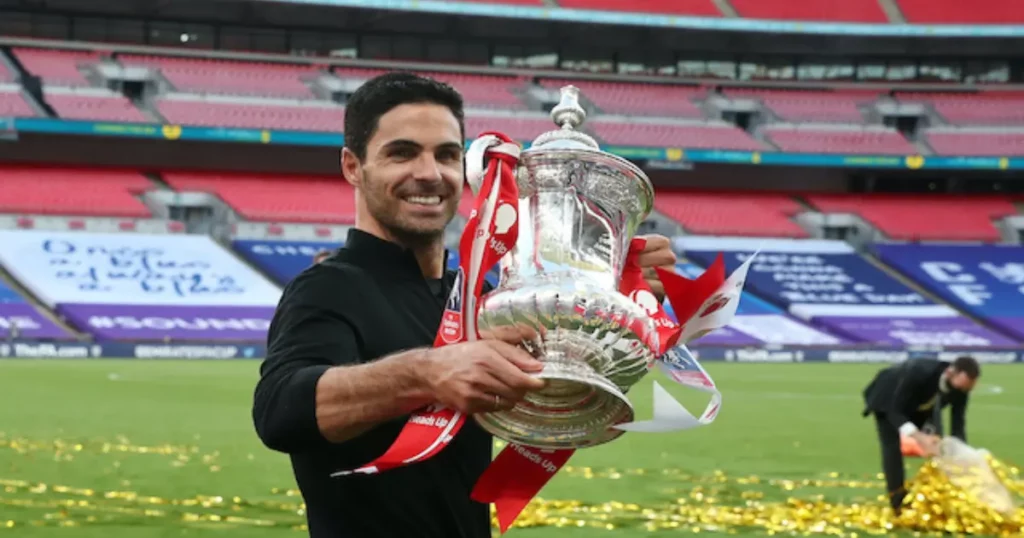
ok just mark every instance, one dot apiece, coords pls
pixel 839 139
pixel 228 77
pixel 815 105
pixel 492 91
pixel 71 106
pixel 987 108
pixel 5 74
pixel 524 129
pixel 962 11
pixel 841 10
pixel 314 116
pixel 697 8
pixel 57 67
pixel 702 136
pixel 64 191
pixel 638 99
pixel 731 213
pixel 922 217
pixel 13 104
pixel 275 198
pixel 975 142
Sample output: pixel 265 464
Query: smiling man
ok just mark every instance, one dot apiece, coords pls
pixel 350 351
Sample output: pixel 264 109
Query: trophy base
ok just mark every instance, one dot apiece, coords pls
pixel 576 409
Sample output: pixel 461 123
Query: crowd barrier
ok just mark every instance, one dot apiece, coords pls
pixel 30 349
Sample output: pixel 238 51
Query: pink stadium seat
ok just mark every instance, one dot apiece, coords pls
pixel 227 77
pixel 797 105
pixel 698 8
pixel 992 144
pixel 842 10
pixel 522 129
pixel 275 198
pixel 922 217
pixel 962 11
pixel 87 107
pixel 731 213
pixel 64 191
pixel 853 139
pixel 5 74
pixel 637 99
pixel 993 108
pixel 477 90
pixel 13 104
pixel 57 67
pixel 701 136
pixel 253 115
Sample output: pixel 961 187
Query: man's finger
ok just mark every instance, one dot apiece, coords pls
pixel 657 258
pixel 513 365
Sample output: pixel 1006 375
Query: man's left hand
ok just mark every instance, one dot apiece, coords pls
pixel 656 253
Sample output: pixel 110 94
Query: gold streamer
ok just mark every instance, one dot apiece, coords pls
pixel 716 502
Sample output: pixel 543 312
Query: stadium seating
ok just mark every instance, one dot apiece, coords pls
pixel 488 91
pixel 946 141
pixel 5 74
pixel 228 77
pixel 275 198
pixel 252 114
pixel 731 213
pixel 519 128
pixel 56 67
pixel 90 106
pixel 814 105
pixel 994 108
pixel 61 191
pixel 698 8
pixel 820 138
pixel 711 135
pixel 922 218
pixel 637 99
pixel 962 12
pixel 844 10
pixel 13 104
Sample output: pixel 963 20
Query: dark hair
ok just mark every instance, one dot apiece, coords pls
pixel 967 365
pixel 380 94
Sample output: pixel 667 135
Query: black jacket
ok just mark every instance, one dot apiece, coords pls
pixel 910 392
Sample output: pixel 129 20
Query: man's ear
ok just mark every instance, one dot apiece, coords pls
pixel 351 168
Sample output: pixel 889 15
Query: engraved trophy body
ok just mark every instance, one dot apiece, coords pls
pixel 579 208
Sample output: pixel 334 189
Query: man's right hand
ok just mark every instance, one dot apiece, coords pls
pixel 929 443
pixel 468 376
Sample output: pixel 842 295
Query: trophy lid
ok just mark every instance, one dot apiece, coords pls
pixel 569 115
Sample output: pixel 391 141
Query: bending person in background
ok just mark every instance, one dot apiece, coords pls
pixel 905 397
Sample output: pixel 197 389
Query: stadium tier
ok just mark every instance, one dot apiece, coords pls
pixel 259 95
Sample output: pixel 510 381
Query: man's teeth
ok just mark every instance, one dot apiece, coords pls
pixel 424 200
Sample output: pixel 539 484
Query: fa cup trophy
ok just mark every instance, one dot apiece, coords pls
pixel 579 208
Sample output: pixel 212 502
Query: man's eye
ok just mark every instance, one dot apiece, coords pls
pixel 448 156
pixel 406 153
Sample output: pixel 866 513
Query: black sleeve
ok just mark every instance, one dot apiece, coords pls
pixel 309 334
pixel 958 419
pixel 911 377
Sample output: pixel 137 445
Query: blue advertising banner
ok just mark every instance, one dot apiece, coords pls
pixel 282 260
pixel 828 283
pixel 985 280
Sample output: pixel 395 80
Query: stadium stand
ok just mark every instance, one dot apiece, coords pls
pixel 707 135
pixel 275 198
pixel 227 77
pixel 961 12
pixel 634 99
pixel 803 105
pixel 222 111
pixel 64 191
pixel 487 91
pixel 921 217
pixel 699 8
pixel 56 67
pixel 825 138
pixel 12 103
pixel 995 108
pixel 92 104
pixel 981 141
pixel 846 10
pixel 741 214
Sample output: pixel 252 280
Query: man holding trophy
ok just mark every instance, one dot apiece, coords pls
pixel 377 355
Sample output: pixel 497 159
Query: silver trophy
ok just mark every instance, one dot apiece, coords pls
pixel 579 208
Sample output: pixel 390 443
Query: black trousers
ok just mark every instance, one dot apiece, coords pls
pixel 892 461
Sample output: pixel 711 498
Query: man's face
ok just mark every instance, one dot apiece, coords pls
pixel 411 181
pixel 961 381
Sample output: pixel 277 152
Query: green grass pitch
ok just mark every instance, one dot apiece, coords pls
pixel 154 449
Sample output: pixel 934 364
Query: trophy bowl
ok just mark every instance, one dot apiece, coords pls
pixel 579 208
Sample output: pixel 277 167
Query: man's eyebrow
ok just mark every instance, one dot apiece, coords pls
pixel 402 143
pixel 451 146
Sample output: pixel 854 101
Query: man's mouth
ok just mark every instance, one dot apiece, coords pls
pixel 424 200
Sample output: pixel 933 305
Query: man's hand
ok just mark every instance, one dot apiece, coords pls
pixel 929 443
pixel 656 253
pixel 481 376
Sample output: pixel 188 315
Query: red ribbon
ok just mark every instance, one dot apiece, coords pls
pixel 519 472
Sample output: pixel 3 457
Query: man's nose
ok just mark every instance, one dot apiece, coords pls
pixel 427 168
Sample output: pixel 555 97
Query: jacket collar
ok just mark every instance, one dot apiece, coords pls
pixel 367 250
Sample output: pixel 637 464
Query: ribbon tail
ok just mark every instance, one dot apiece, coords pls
pixel 514 479
pixel 669 415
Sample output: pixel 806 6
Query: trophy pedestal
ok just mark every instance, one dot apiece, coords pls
pixel 576 408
